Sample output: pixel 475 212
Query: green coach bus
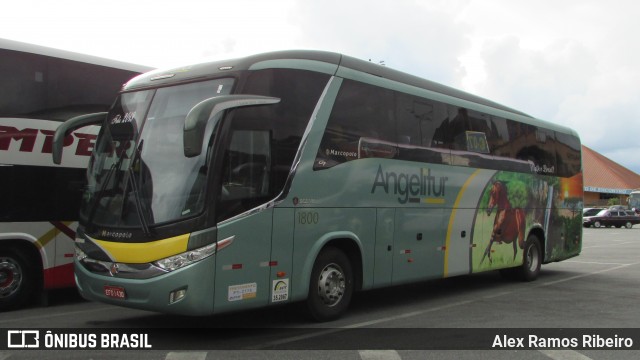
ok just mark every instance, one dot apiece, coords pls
pixel 306 176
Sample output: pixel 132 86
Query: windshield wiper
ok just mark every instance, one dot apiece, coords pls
pixel 138 202
pixel 135 190
pixel 107 177
pixel 103 187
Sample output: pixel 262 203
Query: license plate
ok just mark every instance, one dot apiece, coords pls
pixel 115 292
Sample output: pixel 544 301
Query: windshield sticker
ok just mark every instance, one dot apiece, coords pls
pixel 280 290
pixel 242 292
pixel 127 118
pixel 477 142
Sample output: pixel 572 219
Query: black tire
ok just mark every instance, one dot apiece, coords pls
pixel 628 225
pixel 597 224
pixel 331 285
pixel 532 260
pixel 17 279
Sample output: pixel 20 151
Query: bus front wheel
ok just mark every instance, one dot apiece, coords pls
pixel 17 278
pixel 331 285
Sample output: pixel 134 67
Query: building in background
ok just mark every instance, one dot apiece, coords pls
pixel 606 181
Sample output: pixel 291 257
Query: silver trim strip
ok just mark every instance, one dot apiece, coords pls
pixel 121 270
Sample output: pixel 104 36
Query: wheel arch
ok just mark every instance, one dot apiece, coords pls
pixel 32 252
pixel 347 242
pixel 27 244
pixel 539 233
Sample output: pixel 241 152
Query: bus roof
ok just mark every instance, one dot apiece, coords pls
pixel 322 61
pixel 68 55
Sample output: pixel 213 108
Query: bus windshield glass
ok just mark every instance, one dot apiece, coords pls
pixel 138 174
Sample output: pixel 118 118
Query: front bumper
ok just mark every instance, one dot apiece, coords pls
pixel 154 293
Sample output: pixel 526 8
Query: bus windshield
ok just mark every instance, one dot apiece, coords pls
pixel 138 174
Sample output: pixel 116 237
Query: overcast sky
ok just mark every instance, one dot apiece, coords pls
pixel 573 62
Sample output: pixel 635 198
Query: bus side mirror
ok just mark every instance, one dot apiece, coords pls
pixel 198 117
pixel 70 125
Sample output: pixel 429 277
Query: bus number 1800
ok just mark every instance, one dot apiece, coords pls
pixel 308 218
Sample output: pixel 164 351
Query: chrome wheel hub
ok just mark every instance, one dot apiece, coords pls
pixel 10 277
pixel 331 284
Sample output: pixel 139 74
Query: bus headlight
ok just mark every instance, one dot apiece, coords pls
pixel 186 258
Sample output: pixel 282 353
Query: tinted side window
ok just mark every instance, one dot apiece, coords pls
pixel 362 124
pixel 568 154
pixel 471 131
pixel 544 152
pixel 421 129
pixel 262 141
pixel 246 172
pixel 369 121
pixel 56 89
pixel 41 193
pixel 482 140
pixel 499 140
pixel 534 147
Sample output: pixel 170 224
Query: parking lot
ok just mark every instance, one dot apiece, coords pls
pixel 597 290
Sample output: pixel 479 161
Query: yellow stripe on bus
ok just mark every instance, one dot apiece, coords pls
pixel 440 201
pixel 137 253
pixel 453 218
pixel 49 235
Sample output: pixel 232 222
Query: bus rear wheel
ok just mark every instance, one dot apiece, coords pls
pixel 17 279
pixel 331 286
pixel 532 259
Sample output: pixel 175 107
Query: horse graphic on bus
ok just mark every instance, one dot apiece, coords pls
pixel 509 207
pixel 509 224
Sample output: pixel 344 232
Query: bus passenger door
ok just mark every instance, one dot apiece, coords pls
pixel 418 245
pixel 242 267
pixel 385 226
pixel 242 270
